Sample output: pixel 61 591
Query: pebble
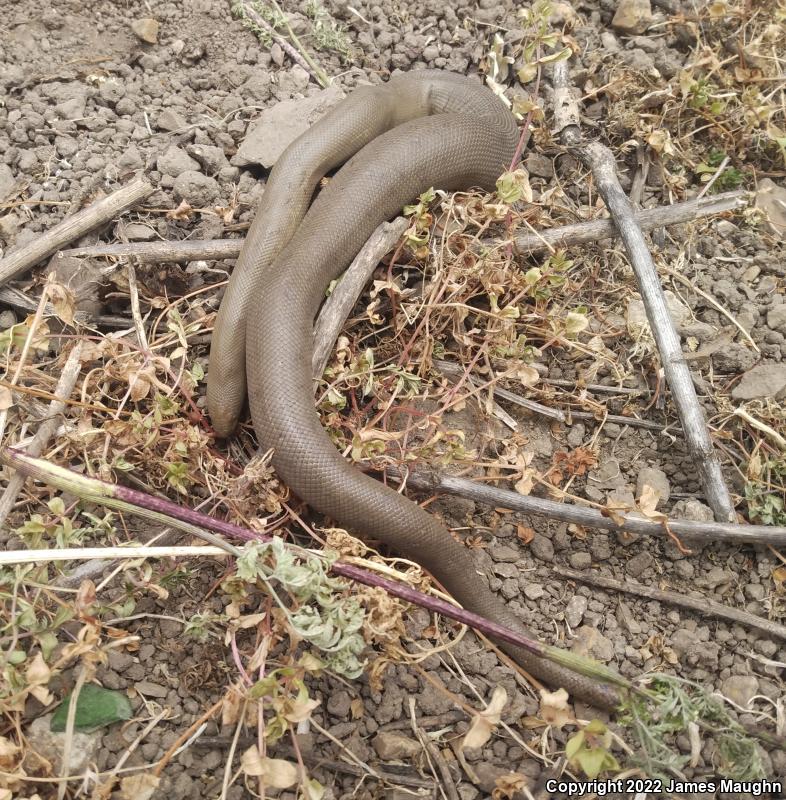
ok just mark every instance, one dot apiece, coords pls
pixel 656 478
pixel 575 609
pixel 590 641
pixel 505 553
pixel 196 189
pixel 339 704
pixel 534 591
pixel 170 120
pixel 391 746
pixel 542 548
pixel 632 16
pixel 580 560
pixel 174 161
pixel 639 564
pixel 740 688
pixel 150 689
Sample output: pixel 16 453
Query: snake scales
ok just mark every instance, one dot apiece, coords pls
pixel 418 130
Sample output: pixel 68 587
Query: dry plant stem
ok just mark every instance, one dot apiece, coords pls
pixel 167 757
pixel 454 370
pixel 647 220
pixel 589 517
pixel 169 513
pixel 300 57
pixel 700 604
pixel 713 302
pixel 46 430
pixel 73 227
pixel 564 236
pixel 17 299
pixel 338 306
pixel 600 161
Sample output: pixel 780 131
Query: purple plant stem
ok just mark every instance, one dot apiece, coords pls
pixel 96 489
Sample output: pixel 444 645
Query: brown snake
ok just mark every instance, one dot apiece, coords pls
pixel 419 130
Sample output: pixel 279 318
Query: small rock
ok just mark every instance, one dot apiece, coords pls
pixel 600 549
pixel 608 475
pixel 765 380
pixel 771 199
pixel 6 180
pixel 175 161
pixel 146 29
pixel 211 158
pixel 580 560
pixel 539 165
pixel 591 642
pixel 280 125
pixel 48 744
pixel 656 478
pixel 505 553
pixel 196 189
pixel 111 91
pixel 394 747
pixel 684 568
pixel 683 641
pixel 150 689
pixel 339 704
pixel 632 16
pixel 574 610
pixel 610 42
pixel 692 509
pixel 170 120
pixel 638 564
pixel 138 232
pixel 131 158
pixel 776 318
pixel 735 357
pixel 740 688
pixel 534 591
pixel 542 548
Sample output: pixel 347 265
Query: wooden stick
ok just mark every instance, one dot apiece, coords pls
pixel 647 220
pixel 600 161
pixel 46 430
pixel 337 307
pixel 73 227
pixel 160 252
pixel 563 236
pixel 433 482
pixel 700 604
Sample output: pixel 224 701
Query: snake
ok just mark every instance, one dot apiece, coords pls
pixel 393 141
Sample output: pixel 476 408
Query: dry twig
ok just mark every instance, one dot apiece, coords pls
pixel 600 161
pixel 73 227
pixel 702 605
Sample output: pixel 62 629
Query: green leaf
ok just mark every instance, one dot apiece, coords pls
pixel 96 707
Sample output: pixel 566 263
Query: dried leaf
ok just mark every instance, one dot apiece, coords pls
pixel 141 786
pixel 484 723
pixel 525 534
pixel 63 302
pixel 509 786
pixel 182 212
pixel 38 673
pixel 6 398
pixel 275 772
pixel 555 709
pixel 648 502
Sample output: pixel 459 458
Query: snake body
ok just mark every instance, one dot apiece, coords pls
pixel 418 130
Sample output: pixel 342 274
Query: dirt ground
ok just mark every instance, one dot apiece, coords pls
pixel 86 104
